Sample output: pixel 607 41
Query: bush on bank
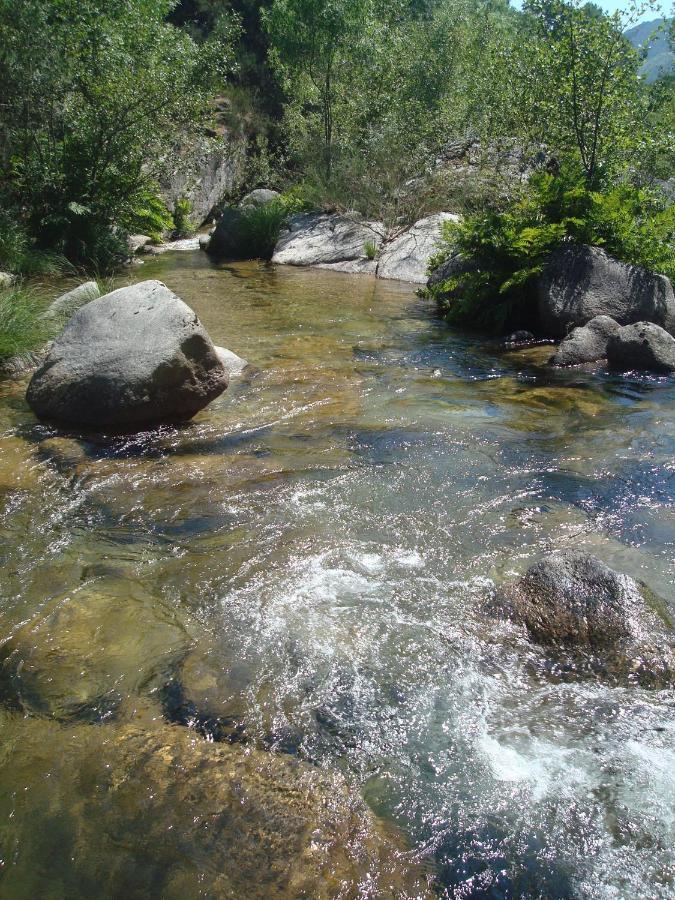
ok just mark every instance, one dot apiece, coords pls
pixel 509 248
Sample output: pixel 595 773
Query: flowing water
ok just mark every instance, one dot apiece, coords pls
pixel 304 568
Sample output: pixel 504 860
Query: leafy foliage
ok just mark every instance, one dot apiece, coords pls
pixel 580 93
pixel 148 215
pixel 95 95
pixel 19 255
pixel 509 248
pixel 182 226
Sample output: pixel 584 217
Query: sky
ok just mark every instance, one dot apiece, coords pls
pixel 611 6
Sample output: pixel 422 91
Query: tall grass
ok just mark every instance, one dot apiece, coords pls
pixel 23 327
pixel 260 227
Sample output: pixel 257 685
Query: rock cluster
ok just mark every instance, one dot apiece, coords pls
pixel 323 239
pixel 581 282
pixel 642 346
pixel 349 244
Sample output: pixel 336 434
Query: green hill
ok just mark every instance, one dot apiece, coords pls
pixel 660 57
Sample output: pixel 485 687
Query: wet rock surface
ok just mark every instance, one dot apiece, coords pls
pixel 135 356
pixel 207 820
pixel 586 344
pixel 642 346
pixel 581 282
pixel 574 604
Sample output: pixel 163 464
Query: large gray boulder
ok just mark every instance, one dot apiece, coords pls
pixel 592 616
pixel 204 171
pixel 314 239
pixel 6 280
pixel 642 346
pixel 406 258
pixel 587 343
pixel 135 357
pixel 581 282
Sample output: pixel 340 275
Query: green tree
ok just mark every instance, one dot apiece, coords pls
pixel 581 94
pixel 312 40
pixel 95 94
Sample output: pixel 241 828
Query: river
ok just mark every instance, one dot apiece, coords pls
pixel 304 568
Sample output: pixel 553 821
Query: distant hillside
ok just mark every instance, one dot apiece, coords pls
pixel 660 58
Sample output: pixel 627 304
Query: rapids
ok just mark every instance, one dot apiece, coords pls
pixel 303 568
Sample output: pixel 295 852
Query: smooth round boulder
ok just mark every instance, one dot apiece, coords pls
pixel 137 356
pixel 67 303
pixel 572 603
pixel 587 343
pixel 233 364
pixel 642 346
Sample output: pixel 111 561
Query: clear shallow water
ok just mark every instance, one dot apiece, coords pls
pixel 305 566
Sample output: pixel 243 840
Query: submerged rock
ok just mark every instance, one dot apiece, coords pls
pixel 581 282
pixel 642 346
pixel 519 339
pixel 314 239
pixel 406 258
pixel 83 653
pixel 587 343
pixel 574 604
pixel 164 813
pixel 134 357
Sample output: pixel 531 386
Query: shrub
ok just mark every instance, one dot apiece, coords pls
pixel 253 232
pixel 510 248
pixel 370 249
pixel 19 256
pixel 182 226
pixel 97 99
pixel 260 225
pixel 22 324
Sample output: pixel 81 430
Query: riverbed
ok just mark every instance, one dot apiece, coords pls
pixel 304 568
